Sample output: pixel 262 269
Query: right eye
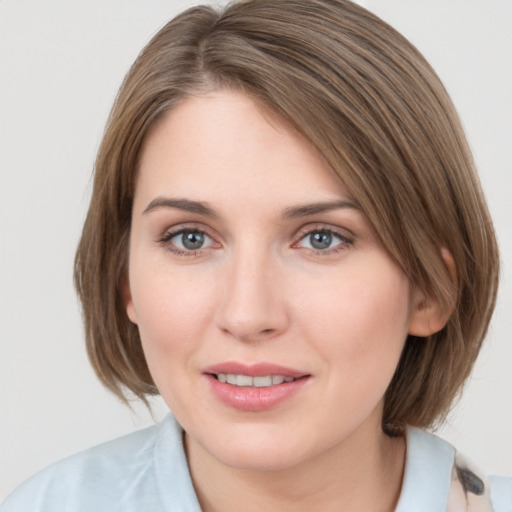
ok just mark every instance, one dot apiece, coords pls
pixel 186 241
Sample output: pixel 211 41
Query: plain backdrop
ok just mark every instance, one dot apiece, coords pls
pixel 61 62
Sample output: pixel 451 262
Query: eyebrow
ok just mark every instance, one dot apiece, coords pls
pixel 314 208
pixel 292 212
pixel 180 204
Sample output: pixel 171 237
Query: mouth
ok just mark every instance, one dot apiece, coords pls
pixel 254 387
pixel 241 380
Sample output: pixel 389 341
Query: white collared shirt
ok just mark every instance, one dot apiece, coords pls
pixel 147 471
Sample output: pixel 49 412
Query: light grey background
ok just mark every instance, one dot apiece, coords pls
pixel 61 62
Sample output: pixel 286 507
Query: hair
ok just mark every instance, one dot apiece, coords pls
pixel 370 103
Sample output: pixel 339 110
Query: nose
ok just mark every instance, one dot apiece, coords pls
pixel 253 306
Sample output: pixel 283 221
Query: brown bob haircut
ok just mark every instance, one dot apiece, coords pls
pixel 378 113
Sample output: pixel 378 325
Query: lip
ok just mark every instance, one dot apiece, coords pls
pixel 254 399
pixel 254 370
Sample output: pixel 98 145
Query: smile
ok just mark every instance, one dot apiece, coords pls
pixel 254 387
pixel 248 381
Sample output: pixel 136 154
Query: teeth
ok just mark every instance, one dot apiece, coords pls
pixel 243 380
pixel 262 382
pixel 277 379
pixel 248 381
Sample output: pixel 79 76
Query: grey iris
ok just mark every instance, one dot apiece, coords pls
pixel 320 240
pixel 192 240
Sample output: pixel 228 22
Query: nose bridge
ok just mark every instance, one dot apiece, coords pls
pixel 252 306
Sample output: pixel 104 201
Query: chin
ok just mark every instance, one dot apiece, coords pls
pixel 266 460
pixel 253 449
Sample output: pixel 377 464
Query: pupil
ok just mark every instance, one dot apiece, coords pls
pixel 192 240
pixel 320 240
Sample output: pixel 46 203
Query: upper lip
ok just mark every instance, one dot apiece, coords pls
pixel 254 370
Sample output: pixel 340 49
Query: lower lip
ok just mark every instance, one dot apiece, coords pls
pixel 254 399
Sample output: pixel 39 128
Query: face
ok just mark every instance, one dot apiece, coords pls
pixel 271 318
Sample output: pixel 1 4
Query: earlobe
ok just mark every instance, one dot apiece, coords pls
pixel 428 314
pixel 127 299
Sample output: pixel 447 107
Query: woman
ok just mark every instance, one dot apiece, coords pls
pixel 286 240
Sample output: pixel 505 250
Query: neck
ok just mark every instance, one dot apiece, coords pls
pixel 360 474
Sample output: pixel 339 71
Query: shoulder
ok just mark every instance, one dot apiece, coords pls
pixel 437 477
pixel 117 475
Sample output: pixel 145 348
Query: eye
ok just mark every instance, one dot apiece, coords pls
pixel 187 240
pixel 324 240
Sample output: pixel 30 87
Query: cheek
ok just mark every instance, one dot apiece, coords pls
pixel 172 310
pixel 360 326
pixel 375 306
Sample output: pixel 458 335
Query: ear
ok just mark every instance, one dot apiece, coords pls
pixel 127 299
pixel 428 315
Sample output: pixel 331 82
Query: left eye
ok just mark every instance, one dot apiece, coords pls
pixel 190 240
pixel 322 240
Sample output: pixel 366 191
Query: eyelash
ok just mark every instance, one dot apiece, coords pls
pixel 345 241
pixel 169 235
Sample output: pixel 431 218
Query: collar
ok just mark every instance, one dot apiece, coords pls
pixel 427 476
pixel 425 487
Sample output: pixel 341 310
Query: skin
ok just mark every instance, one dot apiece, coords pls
pixel 257 290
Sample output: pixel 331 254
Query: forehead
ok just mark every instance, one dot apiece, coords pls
pixel 223 144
